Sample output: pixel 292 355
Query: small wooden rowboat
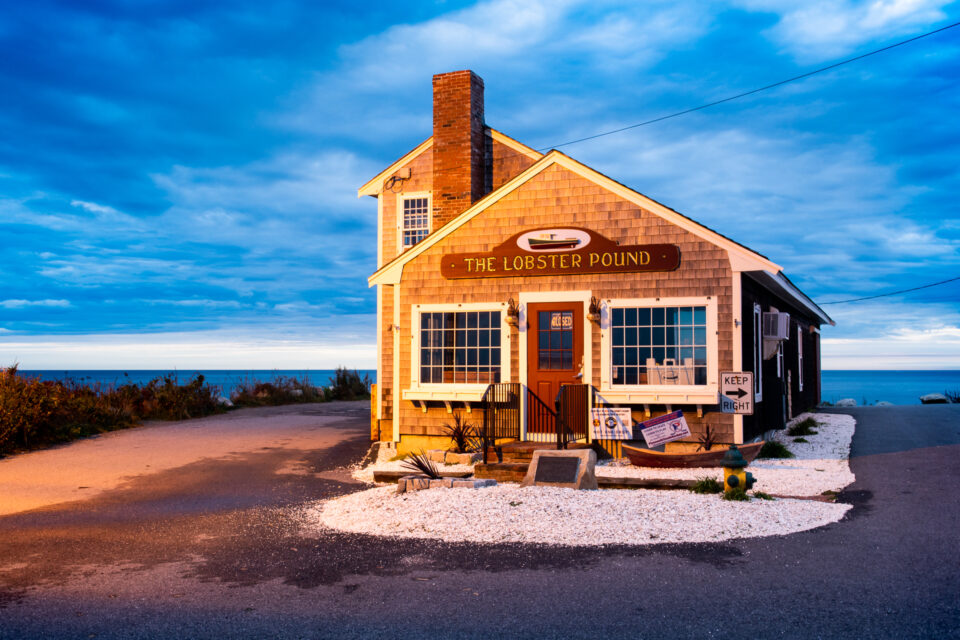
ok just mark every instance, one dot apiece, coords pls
pixel 648 458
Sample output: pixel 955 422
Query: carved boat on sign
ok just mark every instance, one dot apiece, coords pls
pixel 640 457
pixel 551 241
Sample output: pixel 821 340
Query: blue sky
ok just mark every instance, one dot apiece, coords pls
pixel 178 179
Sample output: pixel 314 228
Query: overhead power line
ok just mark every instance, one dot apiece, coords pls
pixel 753 91
pixel 892 293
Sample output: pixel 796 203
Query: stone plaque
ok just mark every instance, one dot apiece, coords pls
pixel 570 468
pixel 559 470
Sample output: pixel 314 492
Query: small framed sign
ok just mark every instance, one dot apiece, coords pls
pixel 664 429
pixel 612 423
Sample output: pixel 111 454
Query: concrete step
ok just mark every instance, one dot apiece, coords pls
pixel 501 471
pixel 393 476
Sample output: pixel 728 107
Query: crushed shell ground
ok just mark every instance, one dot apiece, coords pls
pixel 546 515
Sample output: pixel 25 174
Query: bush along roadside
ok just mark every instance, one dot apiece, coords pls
pixel 36 413
pixel 345 385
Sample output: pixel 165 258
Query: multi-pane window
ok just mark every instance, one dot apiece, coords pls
pixel 460 347
pixel 659 345
pixel 416 220
pixel 555 340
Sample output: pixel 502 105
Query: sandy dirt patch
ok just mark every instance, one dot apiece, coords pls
pixel 85 468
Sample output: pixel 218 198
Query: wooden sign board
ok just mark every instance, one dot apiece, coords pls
pixel 566 251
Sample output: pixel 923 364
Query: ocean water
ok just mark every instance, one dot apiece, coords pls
pixel 898 387
pixel 226 379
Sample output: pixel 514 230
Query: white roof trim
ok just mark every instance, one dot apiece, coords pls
pixel 516 145
pixel 375 184
pixel 741 258
pixel 802 298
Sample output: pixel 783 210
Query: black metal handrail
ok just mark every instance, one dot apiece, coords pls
pixel 573 414
pixel 501 414
pixel 541 418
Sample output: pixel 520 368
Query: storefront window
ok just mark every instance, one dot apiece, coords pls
pixel 659 345
pixel 460 347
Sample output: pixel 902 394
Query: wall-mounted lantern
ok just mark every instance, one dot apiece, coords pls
pixel 593 315
pixel 513 313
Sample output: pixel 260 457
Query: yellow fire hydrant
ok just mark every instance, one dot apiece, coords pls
pixel 734 476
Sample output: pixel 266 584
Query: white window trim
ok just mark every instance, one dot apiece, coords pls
pixel 399 215
pixel 463 391
pixel 799 358
pixel 780 362
pixel 662 394
pixel 757 353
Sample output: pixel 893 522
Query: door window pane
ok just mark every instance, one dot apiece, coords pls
pixel 555 340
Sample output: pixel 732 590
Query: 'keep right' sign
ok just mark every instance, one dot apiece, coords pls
pixel 736 392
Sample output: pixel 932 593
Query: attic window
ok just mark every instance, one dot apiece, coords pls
pixel 416 220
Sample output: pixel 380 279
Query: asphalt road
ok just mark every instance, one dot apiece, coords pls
pixel 217 549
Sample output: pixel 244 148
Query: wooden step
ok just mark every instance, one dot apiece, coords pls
pixel 644 483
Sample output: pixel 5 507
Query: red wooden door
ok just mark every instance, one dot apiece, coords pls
pixel 554 353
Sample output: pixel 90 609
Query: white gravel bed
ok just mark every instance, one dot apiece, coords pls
pixel 547 515
pixel 820 465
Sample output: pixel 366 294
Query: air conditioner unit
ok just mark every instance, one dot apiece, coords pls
pixel 776 326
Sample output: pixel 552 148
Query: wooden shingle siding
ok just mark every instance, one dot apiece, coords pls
pixel 504 163
pixel 421 180
pixel 556 198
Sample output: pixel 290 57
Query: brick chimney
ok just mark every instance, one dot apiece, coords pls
pixel 458 144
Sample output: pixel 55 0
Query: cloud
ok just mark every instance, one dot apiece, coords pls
pixel 520 47
pixel 21 304
pixel 220 349
pixel 824 29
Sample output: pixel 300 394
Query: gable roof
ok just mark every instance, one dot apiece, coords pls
pixel 747 258
pixel 742 258
pixel 375 184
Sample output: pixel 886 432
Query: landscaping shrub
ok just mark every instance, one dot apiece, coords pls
pixel 772 449
pixel 462 434
pixel 707 485
pixel 804 428
pixel 419 462
pixel 736 495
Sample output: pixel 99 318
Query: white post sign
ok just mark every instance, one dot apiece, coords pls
pixel 736 392
pixel 664 429
pixel 612 423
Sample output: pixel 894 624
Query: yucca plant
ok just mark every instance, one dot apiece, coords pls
pixel 419 462
pixel 462 433
pixel 706 439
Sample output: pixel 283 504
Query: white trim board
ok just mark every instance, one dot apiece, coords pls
pixel 661 394
pixel 453 391
pixel 527 297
